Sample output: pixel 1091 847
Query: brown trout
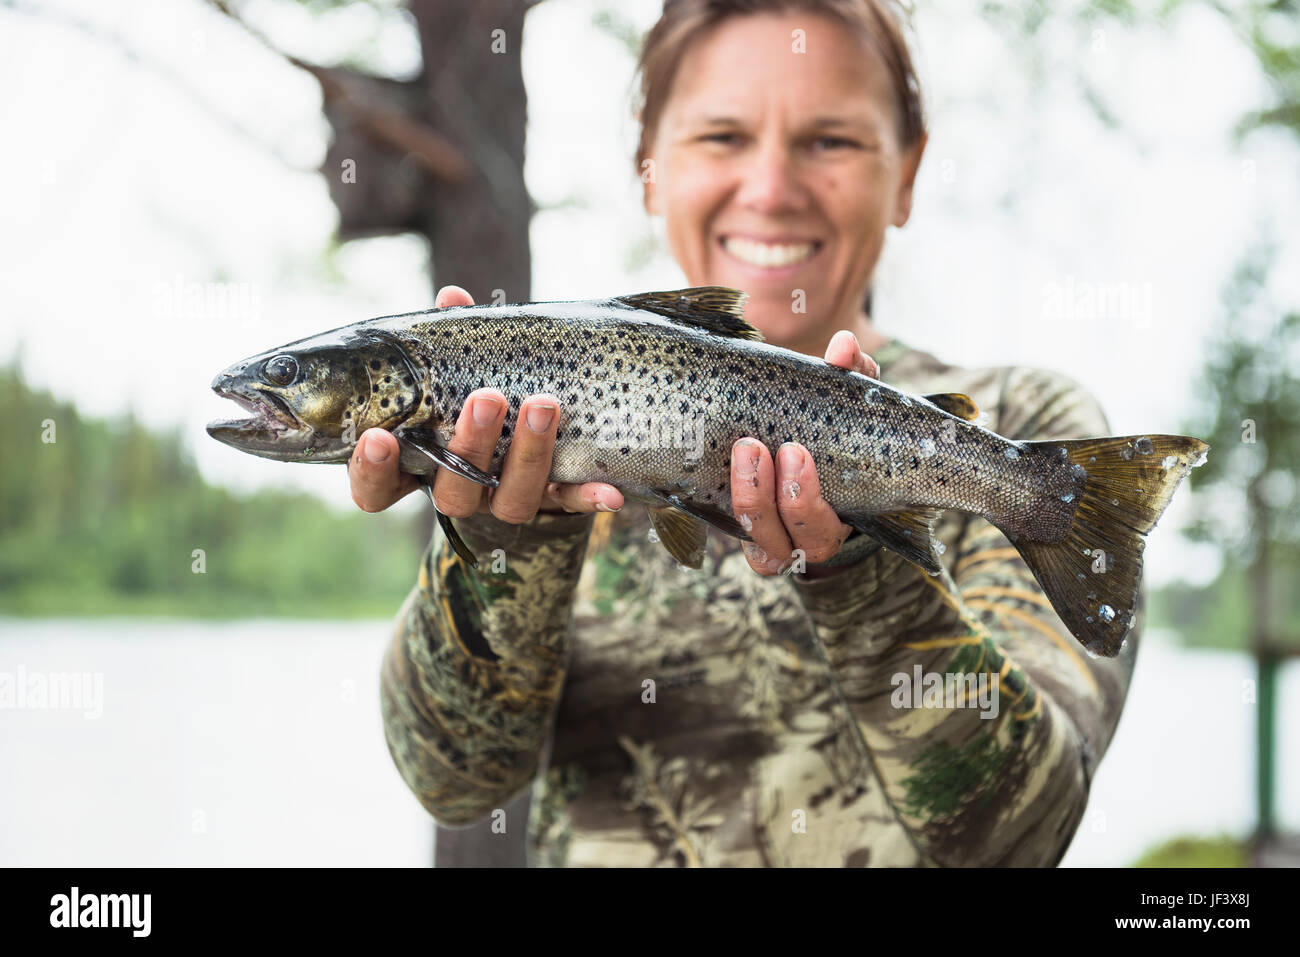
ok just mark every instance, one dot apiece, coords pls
pixel 654 389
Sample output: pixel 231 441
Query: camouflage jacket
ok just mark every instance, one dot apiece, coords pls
pixel 671 717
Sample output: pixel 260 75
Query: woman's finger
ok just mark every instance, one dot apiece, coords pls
pixel 528 463
pixel 373 472
pixel 589 497
pixel 844 351
pixel 452 296
pixel 753 502
pixel 478 429
pixel 811 523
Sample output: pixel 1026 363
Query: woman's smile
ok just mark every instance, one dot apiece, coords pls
pixel 776 258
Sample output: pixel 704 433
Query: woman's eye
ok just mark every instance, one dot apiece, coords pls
pixel 726 139
pixel 824 143
pixel 281 370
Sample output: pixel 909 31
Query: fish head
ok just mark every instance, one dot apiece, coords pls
pixel 309 401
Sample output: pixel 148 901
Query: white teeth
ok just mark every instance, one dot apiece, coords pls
pixel 767 254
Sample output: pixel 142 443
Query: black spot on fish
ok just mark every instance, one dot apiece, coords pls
pixel 376 364
pixel 374 389
pixel 916 463
pixel 383 403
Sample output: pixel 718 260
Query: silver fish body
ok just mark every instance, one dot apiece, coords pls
pixel 654 389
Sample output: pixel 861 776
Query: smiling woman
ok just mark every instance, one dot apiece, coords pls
pixel 782 188
pixel 724 717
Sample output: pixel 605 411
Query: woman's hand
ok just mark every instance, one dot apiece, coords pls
pixel 780 502
pixel 524 491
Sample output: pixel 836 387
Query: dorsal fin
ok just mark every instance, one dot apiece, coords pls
pixel 717 309
pixel 955 403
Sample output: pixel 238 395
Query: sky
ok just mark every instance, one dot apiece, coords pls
pixel 164 148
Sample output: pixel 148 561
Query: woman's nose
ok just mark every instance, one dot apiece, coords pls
pixel 770 181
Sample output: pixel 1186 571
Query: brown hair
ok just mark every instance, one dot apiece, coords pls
pixel 878 22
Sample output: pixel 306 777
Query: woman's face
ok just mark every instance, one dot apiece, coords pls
pixel 778 171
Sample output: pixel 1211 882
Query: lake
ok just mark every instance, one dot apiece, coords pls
pixel 259 743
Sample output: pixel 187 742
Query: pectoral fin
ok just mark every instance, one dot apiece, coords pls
pixel 421 448
pixel 911 534
pixel 449 528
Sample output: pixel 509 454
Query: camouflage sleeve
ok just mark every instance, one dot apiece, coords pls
pixel 977 779
pixel 471 680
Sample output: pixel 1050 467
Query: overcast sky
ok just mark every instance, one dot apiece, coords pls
pixel 124 179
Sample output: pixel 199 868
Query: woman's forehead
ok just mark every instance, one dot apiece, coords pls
pixel 746 62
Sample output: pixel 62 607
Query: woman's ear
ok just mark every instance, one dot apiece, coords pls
pixel 649 186
pixel 911 163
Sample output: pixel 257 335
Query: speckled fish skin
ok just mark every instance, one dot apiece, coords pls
pixel 640 396
pixel 652 404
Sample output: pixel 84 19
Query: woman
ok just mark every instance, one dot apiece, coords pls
pixel 725 717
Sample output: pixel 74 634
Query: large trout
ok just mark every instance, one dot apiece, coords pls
pixel 654 389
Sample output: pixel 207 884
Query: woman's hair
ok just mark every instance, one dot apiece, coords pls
pixel 879 23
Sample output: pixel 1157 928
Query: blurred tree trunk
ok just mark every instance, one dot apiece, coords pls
pixel 443 155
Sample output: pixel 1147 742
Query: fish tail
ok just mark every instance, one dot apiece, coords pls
pixel 1092 574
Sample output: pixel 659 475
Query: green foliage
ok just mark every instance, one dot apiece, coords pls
pixel 1251 417
pixel 1218 615
pixel 105 520
pixel 1197 852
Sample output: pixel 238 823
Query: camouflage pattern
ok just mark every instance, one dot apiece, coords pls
pixel 669 717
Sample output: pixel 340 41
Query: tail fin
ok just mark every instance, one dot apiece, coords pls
pixel 1092 575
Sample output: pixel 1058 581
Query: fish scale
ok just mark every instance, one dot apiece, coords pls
pixel 654 389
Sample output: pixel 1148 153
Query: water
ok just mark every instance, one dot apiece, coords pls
pixel 1183 758
pixel 260 743
pixel 250 743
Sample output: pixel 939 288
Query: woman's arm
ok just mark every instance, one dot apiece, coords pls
pixel 473 675
pixel 1003 780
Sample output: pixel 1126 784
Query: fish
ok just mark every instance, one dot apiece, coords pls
pixel 655 387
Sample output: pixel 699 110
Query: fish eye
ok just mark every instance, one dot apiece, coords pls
pixel 281 370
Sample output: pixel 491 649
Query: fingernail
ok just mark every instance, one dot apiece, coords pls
pixel 539 417
pixel 746 458
pixel 754 553
pixel 485 408
pixel 602 507
pixel 789 460
pixel 376 452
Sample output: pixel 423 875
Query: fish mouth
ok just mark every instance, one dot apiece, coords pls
pixel 271 416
